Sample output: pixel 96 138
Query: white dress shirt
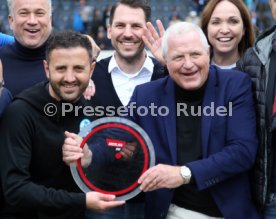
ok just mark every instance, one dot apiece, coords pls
pixel 124 83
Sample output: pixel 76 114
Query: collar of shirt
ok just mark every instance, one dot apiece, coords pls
pixel 146 68
pixel 124 84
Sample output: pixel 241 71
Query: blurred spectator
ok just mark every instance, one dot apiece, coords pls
pixel 175 17
pixel 255 22
pixel 101 40
pixel 106 15
pixel 96 22
pixel 200 5
pixel 175 13
pixel 264 21
pixel 263 5
pixel 86 14
pixel 193 18
pixel 3 28
pixel 250 4
pixel 264 14
pixel 78 24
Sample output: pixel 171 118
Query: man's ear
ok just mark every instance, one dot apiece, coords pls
pixel 10 18
pixel 108 31
pixel 46 68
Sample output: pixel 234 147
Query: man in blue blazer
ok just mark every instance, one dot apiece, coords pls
pixel 203 130
pixel 201 121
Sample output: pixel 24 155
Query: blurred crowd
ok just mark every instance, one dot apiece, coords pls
pixel 92 20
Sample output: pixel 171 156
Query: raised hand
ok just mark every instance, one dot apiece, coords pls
pixel 153 40
pixel 90 90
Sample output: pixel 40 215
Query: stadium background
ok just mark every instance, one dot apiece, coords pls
pixel 91 16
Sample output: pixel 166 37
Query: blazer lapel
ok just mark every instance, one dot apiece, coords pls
pixel 168 100
pixel 209 97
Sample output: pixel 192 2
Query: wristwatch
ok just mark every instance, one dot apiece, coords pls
pixel 186 174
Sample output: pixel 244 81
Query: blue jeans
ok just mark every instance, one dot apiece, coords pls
pixel 127 211
pixel 270 207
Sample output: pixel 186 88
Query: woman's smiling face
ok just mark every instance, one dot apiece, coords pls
pixel 225 28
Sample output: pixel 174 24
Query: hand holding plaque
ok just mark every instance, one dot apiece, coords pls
pixel 112 156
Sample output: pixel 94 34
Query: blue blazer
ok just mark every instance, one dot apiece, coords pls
pixel 229 143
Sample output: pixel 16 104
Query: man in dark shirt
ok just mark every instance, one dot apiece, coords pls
pixel 36 183
pixel 23 60
pixel 31 23
pixel 259 62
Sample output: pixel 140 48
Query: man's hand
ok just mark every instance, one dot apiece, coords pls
pixel 161 176
pixel 153 40
pixel 96 49
pixel 129 150
pixel 90 90
pixel 71 150
pixel 101 202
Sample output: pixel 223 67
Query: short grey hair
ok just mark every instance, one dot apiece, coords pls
pixel 180 29
pixel 11 4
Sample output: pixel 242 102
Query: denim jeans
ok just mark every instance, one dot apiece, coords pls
pixel 270 207
pixel 127 211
